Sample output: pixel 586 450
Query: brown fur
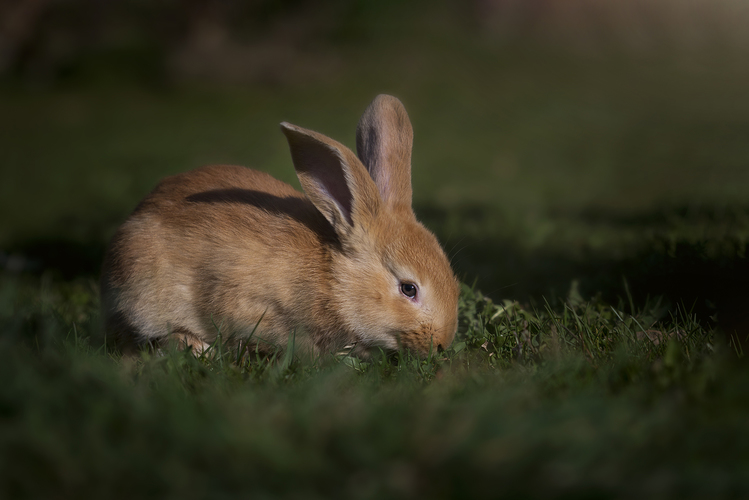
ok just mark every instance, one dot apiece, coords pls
pixel 220 247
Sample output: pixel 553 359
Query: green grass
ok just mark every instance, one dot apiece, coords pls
pixel 573 399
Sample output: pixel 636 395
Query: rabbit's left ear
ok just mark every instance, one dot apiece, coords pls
pixel 384 139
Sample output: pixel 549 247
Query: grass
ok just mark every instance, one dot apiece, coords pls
pixel 571 399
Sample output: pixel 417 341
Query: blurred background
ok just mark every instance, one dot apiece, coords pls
pixel 593 145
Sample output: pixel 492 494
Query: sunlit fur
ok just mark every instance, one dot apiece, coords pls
pixel 219 248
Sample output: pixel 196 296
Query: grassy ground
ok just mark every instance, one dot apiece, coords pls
pixel 598 202
pixel 577 399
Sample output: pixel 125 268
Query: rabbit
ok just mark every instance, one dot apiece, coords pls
pixel 233 250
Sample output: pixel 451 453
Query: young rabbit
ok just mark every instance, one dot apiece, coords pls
pixel 226 248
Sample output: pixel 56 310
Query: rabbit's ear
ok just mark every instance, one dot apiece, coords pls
pixel 333 178
pixel 384 139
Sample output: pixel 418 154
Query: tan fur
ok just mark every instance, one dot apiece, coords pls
pixel 217 248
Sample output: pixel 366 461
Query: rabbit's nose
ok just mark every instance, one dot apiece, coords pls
pixel 445 338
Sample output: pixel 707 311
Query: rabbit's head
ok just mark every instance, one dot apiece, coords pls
pixel 389 279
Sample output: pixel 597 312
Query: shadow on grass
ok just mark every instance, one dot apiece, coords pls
pixel 692 257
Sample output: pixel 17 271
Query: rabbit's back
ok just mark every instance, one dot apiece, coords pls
pixel 215 249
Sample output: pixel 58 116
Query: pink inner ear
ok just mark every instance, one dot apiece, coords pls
pixel 334 187
pixel 325 167
pixel 321 167
pixel 383 143
pixel 373 155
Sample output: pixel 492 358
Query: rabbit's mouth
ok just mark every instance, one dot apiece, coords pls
pixel 425 341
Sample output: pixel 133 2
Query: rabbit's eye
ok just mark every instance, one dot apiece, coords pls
pixel 408 289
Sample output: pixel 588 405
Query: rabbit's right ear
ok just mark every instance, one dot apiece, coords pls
pixel 333 178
